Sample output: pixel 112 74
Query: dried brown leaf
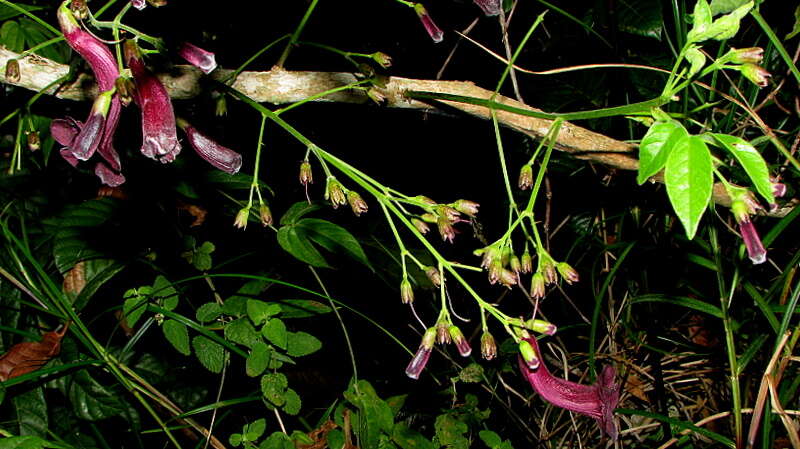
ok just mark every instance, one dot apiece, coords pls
pixel 29 356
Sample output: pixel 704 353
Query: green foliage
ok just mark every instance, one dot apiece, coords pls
pixel 689 179
pixel 210 353
pixel 177 334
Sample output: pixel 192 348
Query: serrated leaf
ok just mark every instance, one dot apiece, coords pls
pixel 273 386
pixel 135 304
pixel 725 6
pixel 293 402
pixel 254 430
pixel 298 245
pixel 471 373
pixel 275 332
pixel 751 161
pixel 235 439
pixel 237 304
pixel 165 293
pixel 177 334
pixel 258 359
pixel 297 211
pixel 656 146
pixel 334 238
pixel 301 343
pixel 689 179
pixel 210 354
pixel 259 311
pixel 242 331
pixel 208 312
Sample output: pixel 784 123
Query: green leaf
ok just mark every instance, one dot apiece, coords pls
pixel 696 60
pixel 472 373
pixel 258 359
pixel 177 334
pixel 260 311
pixel 335 439
pixel 375 412
pixel 242 331
pixel 701 20
pixel 334 238
pixel 751 161
pixel 11 36
pixel 254 430
pixel 208 312
pixel 75 231
pixel 408 438
pixel 165 293
pixel 293 402
pixel 275 332
pixel 235 439
pixel 278 440
pixel 298 245
pixel 640 17
pixel 31 409
pixel 25 442
pixel 7 12
pixel 96 272
pixel 91 400
pixel 135 303
pixel 490 438
pixel 301 343
pixel 273 386
pixel 210 354
pixel 302 308
pixel 297 211
pixel 689 180
pixel 656 146
pixel 237 304
pixel 450 432
pixel 725 6
pixel 395 403
pixel 796 27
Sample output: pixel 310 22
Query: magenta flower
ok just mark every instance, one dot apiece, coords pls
pixel 743 205
pixel 138 4
pixel 66 132
pixel 196 56
pixel 597 401
pixel 433 31
pixel 215 154
pixel 461 343
pixel 422 355
pixel 489 7
pixel 159 137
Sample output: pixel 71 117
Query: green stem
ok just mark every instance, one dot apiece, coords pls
pixel 776 41
pixel 296 34
pixel 232 76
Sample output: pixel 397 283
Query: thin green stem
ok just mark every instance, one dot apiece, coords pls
pixel 776 41
pixel 517 52
pixel 296 34
pixel 232 76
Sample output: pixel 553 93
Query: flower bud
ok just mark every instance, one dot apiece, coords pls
pixel 406 292
pixel 549 272
pixel 488 346
pixel 528 354
pixel 446 229
pixel 306 175
pixel 382 59
pixel 241 218
pixel 466 207
pixel 421 226
pixel 508 278
pixel 541 326
pixel 126 89
pixel 433 31
pixel 429 218
pixel 756 74
pixel 526 264
pixel 138 4
pixel 514 264
pixel 196 56
pixel 751 55
pixel 525 177
pixel 221 106
pixel 443 333
pixel 567 272
pixel 34 142
pixel 461 343
pixel 495 270
pixel 357 203
pixel 335 193
pixel 433 276
pixel 265 214
pixel 755 249
pixel 537 286
pixel 12 71
pixel 422 355
pixel 212 152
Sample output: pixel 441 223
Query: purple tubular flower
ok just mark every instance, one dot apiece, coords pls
pixel 88 139
pixel 92 50
pixel 159 137
pixel 489 7
pixel 755 249
pixel 196 56
pixel 215 154
pixel 433 31
pixel 597 401
pixel 420 359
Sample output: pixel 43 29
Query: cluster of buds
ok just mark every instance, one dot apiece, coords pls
pixel 444 332
pixel 444 216
pixel 81 140
pixel 243 216
pixel 504 267
pixel 747 61
pixel 336 193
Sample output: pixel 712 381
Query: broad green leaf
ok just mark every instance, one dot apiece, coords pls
pixel 375 412
pixel 450 432
pixel 334 238
pixel 35 34
pixel 689 179
pixel 259 311
pixel 235 439
pixel 725 27
pixel 75 231
pixel 257 360
pixel 302 308
pixel 278 440
pixel 656 146
pixel 210 354
pixel 254 430
pixel 335 439
pixel 31 409
pixel 135 303
pixel 273 387
pixel 298 245
pixel 275 332
pixel 7 12
pixel 408 438
pixel 297 211
pixel 701 20
pixel 725 6
pixel 751 161
pixel 242 331
pixel 177 334
pixel 490 438
pixel 208 312
pixel 293 402
pixel 25 442
pixel 12 37
pixel 89 399
pixel 237 304
pixel 640 17
pixel 301 343
pixel 165 293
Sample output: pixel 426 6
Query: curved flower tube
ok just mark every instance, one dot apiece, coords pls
pixel 196 56
pixel 215 154
pixel 598 400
